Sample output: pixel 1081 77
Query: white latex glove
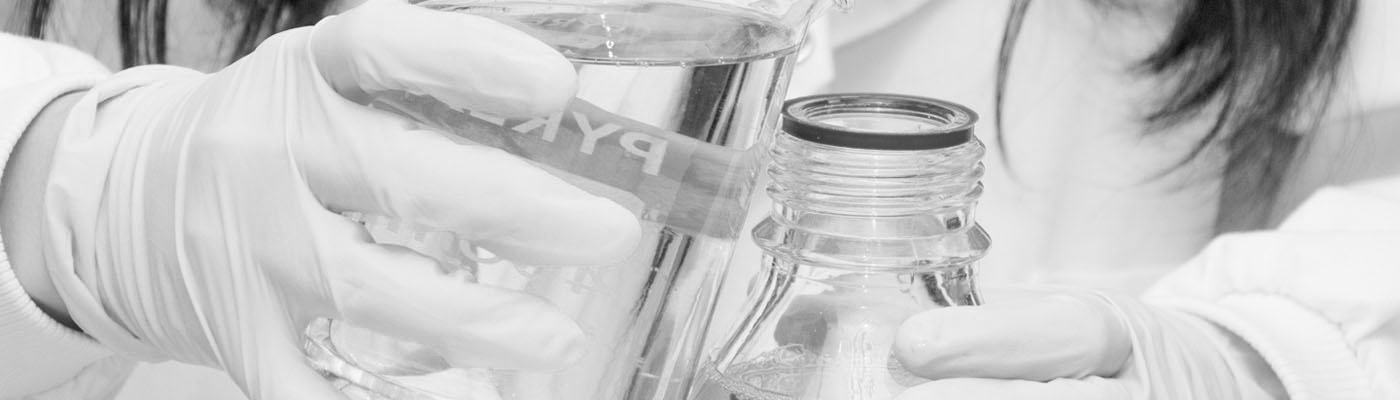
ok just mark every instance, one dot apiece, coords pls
pixel 1066 344
pixel 194 217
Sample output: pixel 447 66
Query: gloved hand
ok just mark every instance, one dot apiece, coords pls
pixel 195 217
pixel 1067 344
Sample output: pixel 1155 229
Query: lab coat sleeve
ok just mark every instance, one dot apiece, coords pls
pixel 1318 298
pixel 37 354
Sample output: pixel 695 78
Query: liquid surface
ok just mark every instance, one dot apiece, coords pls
pixel 640 32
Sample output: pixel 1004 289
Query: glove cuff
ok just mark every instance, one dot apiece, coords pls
pixel 82 159
pixel 1164 342
pixel 1309 354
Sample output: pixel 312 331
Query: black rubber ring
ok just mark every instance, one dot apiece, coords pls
pixel 951 126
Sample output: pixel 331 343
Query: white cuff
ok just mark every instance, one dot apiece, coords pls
pixel 1309 354
pixel 39 353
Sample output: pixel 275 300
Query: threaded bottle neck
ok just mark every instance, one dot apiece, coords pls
pixel 846 194
pixel 813 177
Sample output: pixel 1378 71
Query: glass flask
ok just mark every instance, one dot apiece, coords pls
pixel 676 98
pixel 872 221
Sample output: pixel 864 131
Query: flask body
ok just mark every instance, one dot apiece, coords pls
pixel 865 232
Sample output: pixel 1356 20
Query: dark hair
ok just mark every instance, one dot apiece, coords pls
pixel 1262 68
pixel 142 24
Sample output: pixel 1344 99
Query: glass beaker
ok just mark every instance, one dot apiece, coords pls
pixel 675 96
pixel 872 221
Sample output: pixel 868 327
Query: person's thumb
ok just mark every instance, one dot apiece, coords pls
pixel 1068 335
pixel 465 61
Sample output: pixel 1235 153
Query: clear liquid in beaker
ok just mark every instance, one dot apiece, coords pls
pixel 705 81
pixel 641 32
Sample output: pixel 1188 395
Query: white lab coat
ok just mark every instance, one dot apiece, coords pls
pixel 1318 297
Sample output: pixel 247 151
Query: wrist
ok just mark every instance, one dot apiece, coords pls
pixel 21 205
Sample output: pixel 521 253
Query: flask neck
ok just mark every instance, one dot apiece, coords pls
pixel 875 193
pixel 906 214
